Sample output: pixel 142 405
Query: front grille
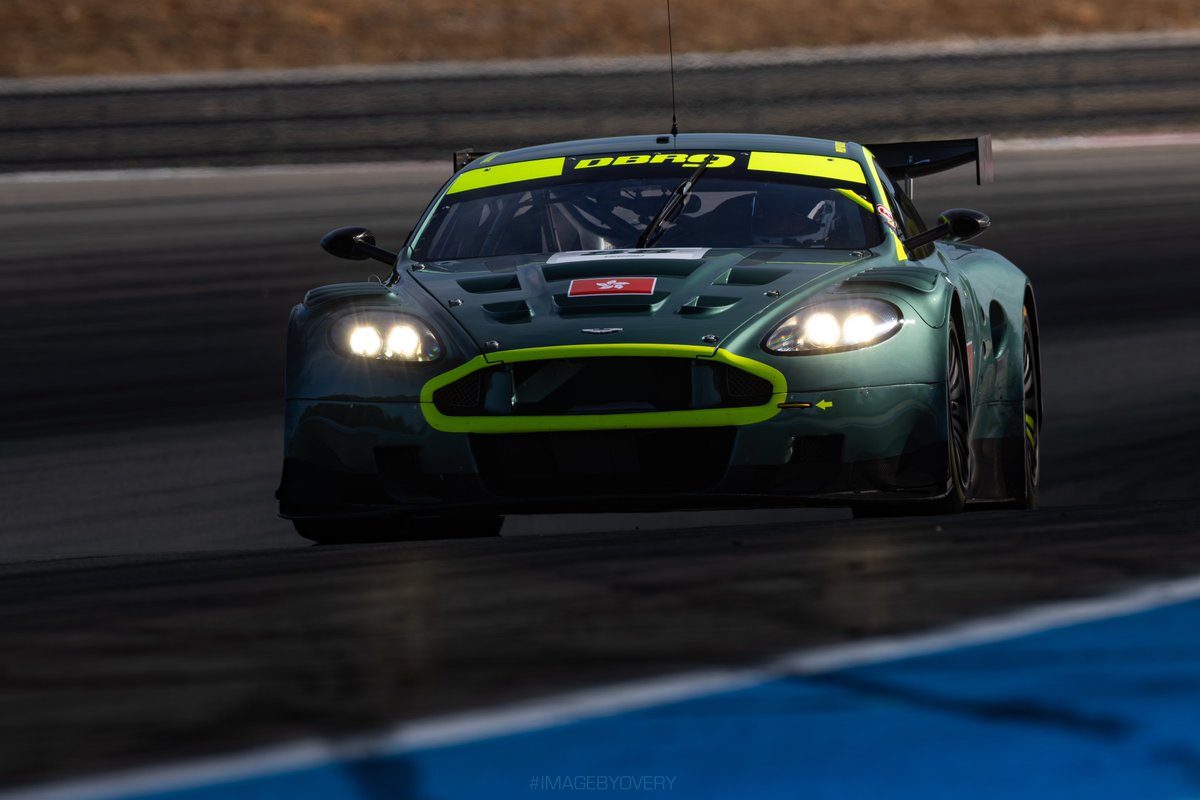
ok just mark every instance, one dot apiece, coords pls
pixel 463 397
pixel 602 385
pixel 743 388
pixel 599 463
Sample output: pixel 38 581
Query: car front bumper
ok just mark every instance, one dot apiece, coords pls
pixel 347 457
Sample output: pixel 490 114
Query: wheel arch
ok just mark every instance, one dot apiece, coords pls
pixel 956 315
pixel 1029 305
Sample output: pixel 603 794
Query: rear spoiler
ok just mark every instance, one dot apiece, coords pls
pixel 464 157
pixel 908 160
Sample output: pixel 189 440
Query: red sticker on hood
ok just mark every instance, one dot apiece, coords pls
pixel 597 286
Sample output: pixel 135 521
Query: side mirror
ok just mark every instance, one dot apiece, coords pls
pixel 357 244
pixel 954 225
pixel 965 223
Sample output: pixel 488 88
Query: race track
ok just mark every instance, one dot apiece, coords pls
pixel 152 607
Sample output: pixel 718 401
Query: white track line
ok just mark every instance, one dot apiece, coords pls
pixel 605 701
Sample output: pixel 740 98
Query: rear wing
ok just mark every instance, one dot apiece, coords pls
pixel 908 160
pixel 464 157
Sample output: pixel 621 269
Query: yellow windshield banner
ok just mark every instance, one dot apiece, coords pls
pixel 508 173
pixel 682 159
pixel 834 169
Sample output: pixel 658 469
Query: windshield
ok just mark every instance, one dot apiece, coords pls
pixel 607 202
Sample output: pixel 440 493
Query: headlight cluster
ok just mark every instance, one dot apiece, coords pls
pixel 834 325
pixel 383 336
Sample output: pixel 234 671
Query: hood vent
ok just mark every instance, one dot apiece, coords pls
pixel 509 312
pixel 486 284
pixel 707 305
pixel 613 304
pixel 923 279
pixel 616 267
pixel 750 276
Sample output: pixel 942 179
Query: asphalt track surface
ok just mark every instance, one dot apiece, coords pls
pixel 152 607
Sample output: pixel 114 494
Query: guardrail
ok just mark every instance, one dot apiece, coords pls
pixel 1005 87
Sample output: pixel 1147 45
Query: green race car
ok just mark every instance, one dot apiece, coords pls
pixel 665 322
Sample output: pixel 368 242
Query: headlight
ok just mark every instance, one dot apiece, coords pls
pixel 834 325
pixel 383 336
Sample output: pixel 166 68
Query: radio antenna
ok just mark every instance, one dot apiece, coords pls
pixel 671 52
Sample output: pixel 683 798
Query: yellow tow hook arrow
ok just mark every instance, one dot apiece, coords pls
pixel 825 404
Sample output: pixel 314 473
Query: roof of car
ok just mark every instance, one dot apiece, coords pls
pixel 656 143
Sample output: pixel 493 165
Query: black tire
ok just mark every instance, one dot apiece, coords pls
pixel 958 429
pixel 1031 428
pixel 397 529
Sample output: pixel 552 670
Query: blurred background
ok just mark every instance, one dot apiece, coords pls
pixel 111 37
pixel 93 84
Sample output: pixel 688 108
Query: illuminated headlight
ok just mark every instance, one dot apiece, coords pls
pixel 834 325
pixel 365 341
pixel 386 337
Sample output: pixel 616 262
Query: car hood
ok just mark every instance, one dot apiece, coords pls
pixel 689 296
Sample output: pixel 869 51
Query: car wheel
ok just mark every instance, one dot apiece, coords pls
pixel 397 529
pixel 1032 422
pixel 958 432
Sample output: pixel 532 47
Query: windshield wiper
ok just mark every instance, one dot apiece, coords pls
pixel 672 207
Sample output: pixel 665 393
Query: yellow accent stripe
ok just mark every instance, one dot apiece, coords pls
pixel 1030 427
pixel 901 253
pixel 856 197
pixel 700 418
pixel 507 173
pixel 836 169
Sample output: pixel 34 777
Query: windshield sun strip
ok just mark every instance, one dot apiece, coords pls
pixel 843 170
pixel 508 173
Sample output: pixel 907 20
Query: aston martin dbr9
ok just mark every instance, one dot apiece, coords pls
pixel 660 323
